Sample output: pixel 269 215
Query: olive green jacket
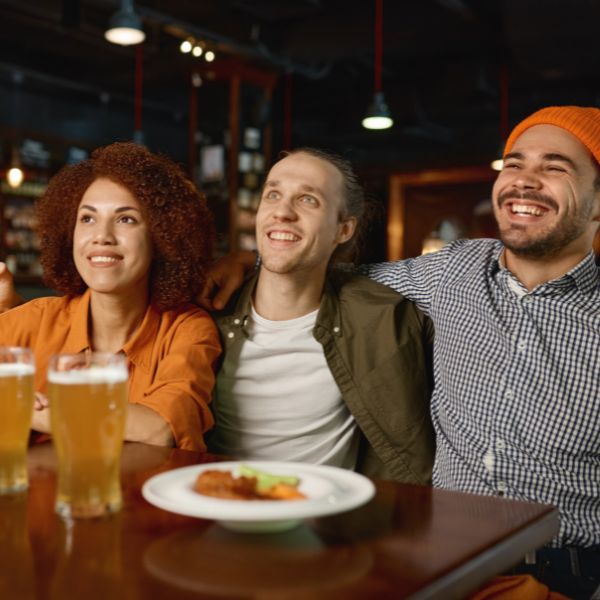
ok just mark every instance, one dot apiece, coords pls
pixel 378 346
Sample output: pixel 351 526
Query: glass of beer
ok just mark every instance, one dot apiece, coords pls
pixel 88 406
pixel 17 368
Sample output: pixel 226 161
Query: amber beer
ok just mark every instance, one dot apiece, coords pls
pixel 88 403
pixel 16 405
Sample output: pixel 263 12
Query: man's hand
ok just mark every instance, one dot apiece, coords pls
pixel 224 278
pixel 8 295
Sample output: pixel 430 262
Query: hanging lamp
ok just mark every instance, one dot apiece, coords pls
pixel 15 174
pixel 498 161
pixel 378 114
pixel 125 26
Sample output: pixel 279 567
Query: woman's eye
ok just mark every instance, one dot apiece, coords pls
pixel 85 219
pixel 127 219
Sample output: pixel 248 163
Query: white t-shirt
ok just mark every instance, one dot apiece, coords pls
pixel 281 402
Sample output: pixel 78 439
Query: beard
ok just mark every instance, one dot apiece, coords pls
pixel 551 241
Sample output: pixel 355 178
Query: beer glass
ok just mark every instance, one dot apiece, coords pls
pixel 88 405
pixel 17 368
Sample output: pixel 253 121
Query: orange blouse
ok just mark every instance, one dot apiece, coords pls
pixel 171 356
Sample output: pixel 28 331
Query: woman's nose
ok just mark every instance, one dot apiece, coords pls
pixel 104 234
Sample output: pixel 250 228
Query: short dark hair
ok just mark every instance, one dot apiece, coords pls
pixel 355 200
pixel 180 223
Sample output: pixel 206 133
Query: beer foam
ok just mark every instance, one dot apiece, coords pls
pixel 93 375
pixel 16 369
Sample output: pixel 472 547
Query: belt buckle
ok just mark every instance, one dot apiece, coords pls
pixel 574 560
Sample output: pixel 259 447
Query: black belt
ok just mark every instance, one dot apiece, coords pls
pixel 580 562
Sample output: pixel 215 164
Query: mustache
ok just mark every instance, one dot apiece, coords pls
pixel 528 195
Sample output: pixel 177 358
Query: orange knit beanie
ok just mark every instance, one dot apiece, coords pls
pixel 582 122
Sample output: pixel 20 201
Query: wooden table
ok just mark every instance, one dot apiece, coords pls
pixel 409 541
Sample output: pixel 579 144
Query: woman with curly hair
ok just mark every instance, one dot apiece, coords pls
pixel 127 238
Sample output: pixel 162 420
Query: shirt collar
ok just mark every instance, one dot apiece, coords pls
pixel 78 337
pixel 243 303
pixel 497 262
pixel 585 275
pixel 138 348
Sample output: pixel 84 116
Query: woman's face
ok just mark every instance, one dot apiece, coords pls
pixel 111 242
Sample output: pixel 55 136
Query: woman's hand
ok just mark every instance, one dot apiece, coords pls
pixel 224 278
pixel 41 414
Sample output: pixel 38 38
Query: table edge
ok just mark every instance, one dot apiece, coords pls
pixel 490 562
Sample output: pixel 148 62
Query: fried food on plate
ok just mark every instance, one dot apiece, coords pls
pixel 223 484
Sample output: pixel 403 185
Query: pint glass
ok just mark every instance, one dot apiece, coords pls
pixel 88 404
pixel 17 368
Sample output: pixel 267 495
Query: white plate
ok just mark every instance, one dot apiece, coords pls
pixel 329 490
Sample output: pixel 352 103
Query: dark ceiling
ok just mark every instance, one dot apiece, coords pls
pixel 442 68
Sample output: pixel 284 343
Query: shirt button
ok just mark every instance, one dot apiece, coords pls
pixel 508 394
pixel 500 444
pixel 230 334
pixel 501 487
pixel 522 345
pixel 237 321
pixel 527 299
pixel 336 329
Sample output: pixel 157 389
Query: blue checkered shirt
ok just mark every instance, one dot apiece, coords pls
pixel 516 406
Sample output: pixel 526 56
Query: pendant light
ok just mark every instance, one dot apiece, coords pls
pixel 498 162
pixel 15 174
pixel 378 114
pixel 125 26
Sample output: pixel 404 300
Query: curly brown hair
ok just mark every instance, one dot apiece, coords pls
pixel 180 223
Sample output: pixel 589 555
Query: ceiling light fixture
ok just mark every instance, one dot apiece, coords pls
pixel 15 174
pixel 378 114
pixel 185 47
pixel 498 163
pixel 209 56
pixel 197 51
pixel 125 26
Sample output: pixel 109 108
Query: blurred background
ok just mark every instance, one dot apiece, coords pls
pixel 222 86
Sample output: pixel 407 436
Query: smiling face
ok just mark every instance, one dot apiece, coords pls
pixel 545 199
pixel 112 249
pixel 299 221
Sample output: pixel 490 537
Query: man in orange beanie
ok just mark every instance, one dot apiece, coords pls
pixel 516 404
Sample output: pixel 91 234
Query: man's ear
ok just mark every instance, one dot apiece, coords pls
pixel 346 229
pixel 596 213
